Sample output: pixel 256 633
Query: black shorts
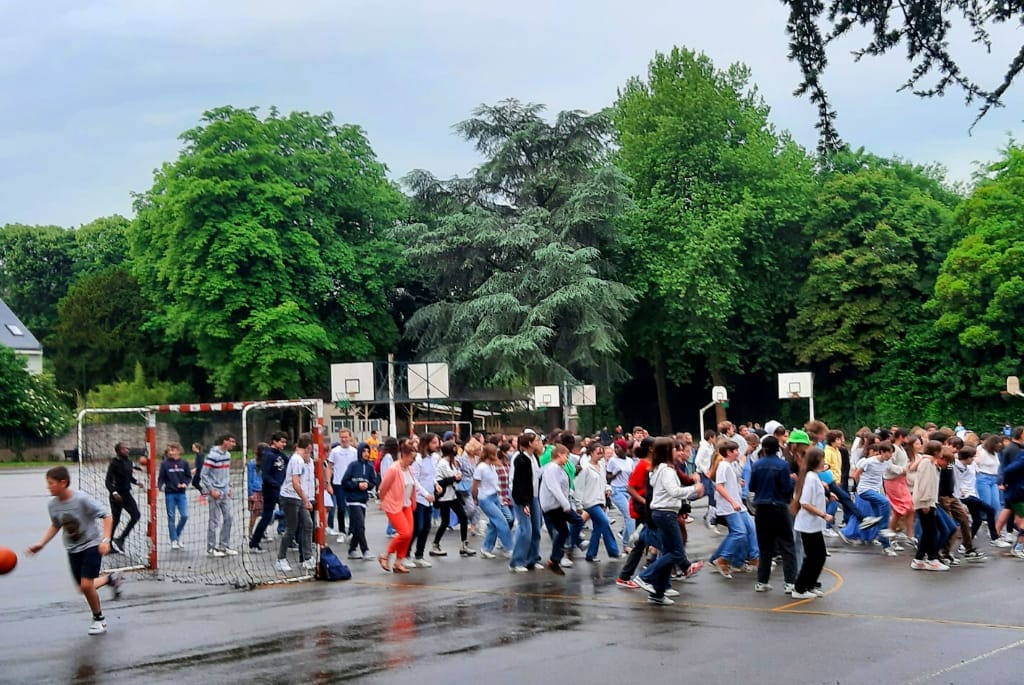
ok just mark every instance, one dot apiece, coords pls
pixel 85 564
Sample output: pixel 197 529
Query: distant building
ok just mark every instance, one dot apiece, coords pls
pixel 13 334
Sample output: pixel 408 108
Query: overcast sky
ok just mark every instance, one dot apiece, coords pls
pixel 96 92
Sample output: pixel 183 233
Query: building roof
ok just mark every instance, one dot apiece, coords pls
pixel 13 332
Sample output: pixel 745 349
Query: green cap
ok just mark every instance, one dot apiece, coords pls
pixel 799 437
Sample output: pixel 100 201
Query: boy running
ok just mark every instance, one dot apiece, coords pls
pixel 76 513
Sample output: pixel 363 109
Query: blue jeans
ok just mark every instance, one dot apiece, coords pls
pixel 526 545
pixel 561 521
pixel 620 498
pixel 497 528
pixel 422 516
pixel 177 503
pixel 988 490
pixel 659 574
pixel 740 544
pixel 879 506
pixel 602 530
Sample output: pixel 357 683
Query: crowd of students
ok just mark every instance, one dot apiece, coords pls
pixel 773 494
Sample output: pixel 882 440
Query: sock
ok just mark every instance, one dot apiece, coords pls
pixel 98 617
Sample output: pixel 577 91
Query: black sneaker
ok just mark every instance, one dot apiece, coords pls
pixel 255 549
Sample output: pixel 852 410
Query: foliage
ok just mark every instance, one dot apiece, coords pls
pixel 923 27
pixel 263 244
pixel 878 230
pixel 516 253
pixel 713 237
pixel 979 294
pixel 36 268
pixel 30 404
pixel 100 245
pixel 99 338
pixel 138 392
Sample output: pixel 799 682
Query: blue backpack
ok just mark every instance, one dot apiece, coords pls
pixel 331 567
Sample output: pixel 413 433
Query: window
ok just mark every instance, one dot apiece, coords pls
pixel 15 329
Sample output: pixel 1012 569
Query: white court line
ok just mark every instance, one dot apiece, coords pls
pixel 980 657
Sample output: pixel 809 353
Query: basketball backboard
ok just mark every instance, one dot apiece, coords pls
pixel 799 384
pixel 352 382
pixel 545 396
pixel 427 381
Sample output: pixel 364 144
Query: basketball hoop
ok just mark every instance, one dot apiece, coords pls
pixel 794 395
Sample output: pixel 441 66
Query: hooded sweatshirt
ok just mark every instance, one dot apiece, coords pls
pixel 359 471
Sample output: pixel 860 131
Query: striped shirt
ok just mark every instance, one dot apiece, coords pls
pixel 216 473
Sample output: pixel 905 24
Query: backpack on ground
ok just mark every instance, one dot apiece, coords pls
pixel 331 567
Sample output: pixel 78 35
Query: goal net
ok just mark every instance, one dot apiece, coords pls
pixel 185 556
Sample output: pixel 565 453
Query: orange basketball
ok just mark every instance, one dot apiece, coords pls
pixel 143 461
pixel 8 559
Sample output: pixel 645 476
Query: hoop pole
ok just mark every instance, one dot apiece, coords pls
pixel 321 510
pixel 151 468
pixel 702 410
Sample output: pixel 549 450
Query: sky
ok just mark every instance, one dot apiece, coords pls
pixel 96 92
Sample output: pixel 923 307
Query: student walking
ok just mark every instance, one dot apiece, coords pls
pixel 398 500
pixel 215 482
pixel 297 495
pixel 174 478
pixel 810 522
pixel 119 482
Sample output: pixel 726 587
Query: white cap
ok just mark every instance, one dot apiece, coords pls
pixel 769 428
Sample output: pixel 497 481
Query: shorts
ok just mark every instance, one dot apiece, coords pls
pixel 85 564
pixel 1017 508
pixel 256 502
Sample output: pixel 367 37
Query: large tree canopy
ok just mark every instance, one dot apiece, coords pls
pixel 922 27
pixel 714 233
pixel 515 254
pixel 263 245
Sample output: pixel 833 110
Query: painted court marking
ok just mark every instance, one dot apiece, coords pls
pixel 981 657
pixel 629 598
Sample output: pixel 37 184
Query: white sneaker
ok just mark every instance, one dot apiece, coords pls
pixel 229 552
pixel 890 552
pixel 803 595
pixel 309 564
pixel 788 588
pixel 518 569
pixel 421 563
pixel 98 628
pixel 887 533
pixel 174 544
pixel 214 552
pixel 340 540
pixel 644 585
pixel 918 564
pixel 935 565
pixel 331 532
pixel 282 566
pixel 671 592
pixel 566 563
pixel 484 554
pixel 762 587
pixel 830 533
pixel 999 542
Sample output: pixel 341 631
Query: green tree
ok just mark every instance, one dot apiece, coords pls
pixel 922 28
pixel 36 268
pixel 879 230
pixel 516 253
pixel 979 294
pixel 30 405
pixel 100 244
pixel 138 391
pixel 99 335
pixel 712 241
pixel 264 245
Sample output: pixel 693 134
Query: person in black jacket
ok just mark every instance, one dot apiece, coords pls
pixel 119 484
pixel 358 481
pixel 274 464
pixel 526 504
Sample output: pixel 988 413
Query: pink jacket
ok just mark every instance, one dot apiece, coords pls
pixel 392 490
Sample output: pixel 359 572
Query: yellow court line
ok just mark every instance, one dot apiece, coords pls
pixel 839 584
pixel 625 599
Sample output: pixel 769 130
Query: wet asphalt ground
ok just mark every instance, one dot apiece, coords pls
pixel 470 621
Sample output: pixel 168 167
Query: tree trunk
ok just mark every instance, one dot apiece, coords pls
pixel 717 379
pixel 661 389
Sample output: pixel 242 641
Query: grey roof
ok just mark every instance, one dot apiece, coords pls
pixel 9 324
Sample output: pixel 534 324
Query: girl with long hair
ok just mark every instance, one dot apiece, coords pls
pixel 810 522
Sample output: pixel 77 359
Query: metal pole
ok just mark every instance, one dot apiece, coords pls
pixel 565 405
pixel 811 398
pixel 151 494
pixel 702 410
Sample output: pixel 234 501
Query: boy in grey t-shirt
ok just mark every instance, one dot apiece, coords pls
pixel 75 513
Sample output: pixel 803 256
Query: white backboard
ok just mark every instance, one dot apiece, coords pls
pixel 1013 386
pixel 719 393
pixel 545 396
pixel 583 395
pixel 353 382
pixel 796 384
pixel 427 381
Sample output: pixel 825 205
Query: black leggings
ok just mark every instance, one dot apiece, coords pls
pixel 446 508
pixel 814 561
pixel 127 504
pixel 928 545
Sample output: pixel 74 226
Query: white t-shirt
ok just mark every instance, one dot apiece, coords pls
pixel 340 457
pixel 813 494
pixel 488 479
pixel 726 475
pixel 297 466
pixel 872 473
pixel 620 468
